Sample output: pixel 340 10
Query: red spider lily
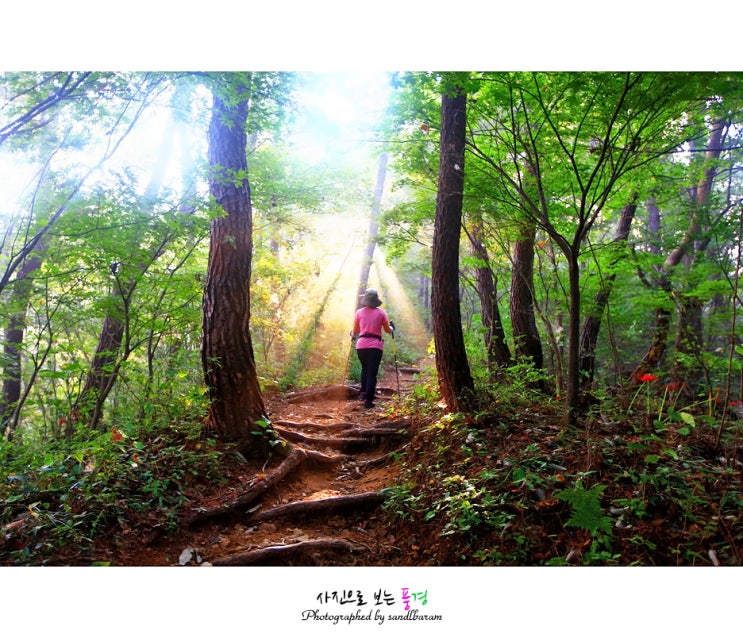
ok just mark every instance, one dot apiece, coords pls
pixel 648 378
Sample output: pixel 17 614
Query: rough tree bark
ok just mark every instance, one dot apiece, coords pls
pixel 455 379
pixel 236 403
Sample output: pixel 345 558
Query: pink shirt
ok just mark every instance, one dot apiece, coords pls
pixel 369 321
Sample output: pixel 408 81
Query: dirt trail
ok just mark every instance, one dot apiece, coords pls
pixel 314 506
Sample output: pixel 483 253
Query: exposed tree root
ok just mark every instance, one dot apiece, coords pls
pixel 340 443
pixel 296 457
pixel 307 425
pixel 377 461
pixel 287 552
pixel 321 505
pixel 326 459
pixel 333 392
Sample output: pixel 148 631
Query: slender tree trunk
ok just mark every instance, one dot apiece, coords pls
pixel 592 322
pixel 12 346
pixel 572 388
pixel 371 243
pixel 455 379
pixel 499 355
pixel 227 354
pixel 526 342
pixel 88 408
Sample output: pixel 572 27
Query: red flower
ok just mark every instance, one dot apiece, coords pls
pixel 648 378
pixel 116 435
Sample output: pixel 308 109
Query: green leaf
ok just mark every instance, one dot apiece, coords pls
pixel 687 418
pixel 587 511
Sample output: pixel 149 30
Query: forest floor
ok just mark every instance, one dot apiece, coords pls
pixel 405 484
pixel 315 504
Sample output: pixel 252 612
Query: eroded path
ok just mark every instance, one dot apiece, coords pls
pixel 315 504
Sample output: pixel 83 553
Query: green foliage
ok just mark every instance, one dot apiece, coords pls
pixel 264 430
pixel 587 511
pixel 73 491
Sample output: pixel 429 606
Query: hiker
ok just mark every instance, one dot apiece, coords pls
pixel 368 324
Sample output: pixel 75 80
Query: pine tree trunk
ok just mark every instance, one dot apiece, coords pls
pixel 227 351
pixel 455 380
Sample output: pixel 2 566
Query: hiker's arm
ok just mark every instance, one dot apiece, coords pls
pixel 388 327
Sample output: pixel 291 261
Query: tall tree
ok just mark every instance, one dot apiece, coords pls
pixel 527 344
pixel 371 242
pixel 236 402
pixel 592 322
pixel 691 248
pixel 498 352
pixel 455 379
pixel 12 345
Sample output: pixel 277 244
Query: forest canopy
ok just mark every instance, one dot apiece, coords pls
pixel 169 254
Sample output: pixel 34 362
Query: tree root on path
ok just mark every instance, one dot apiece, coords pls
pixel 325 459
pixel 321 505
pixel 341 443
pixel 287 552
pixel 333 392
pixel 339 425
pixel 296 457
pixel 378 461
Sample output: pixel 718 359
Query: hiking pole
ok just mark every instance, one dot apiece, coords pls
pixel 344 381
pixel 394 357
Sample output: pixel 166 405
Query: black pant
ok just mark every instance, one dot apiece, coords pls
pixel 370 359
